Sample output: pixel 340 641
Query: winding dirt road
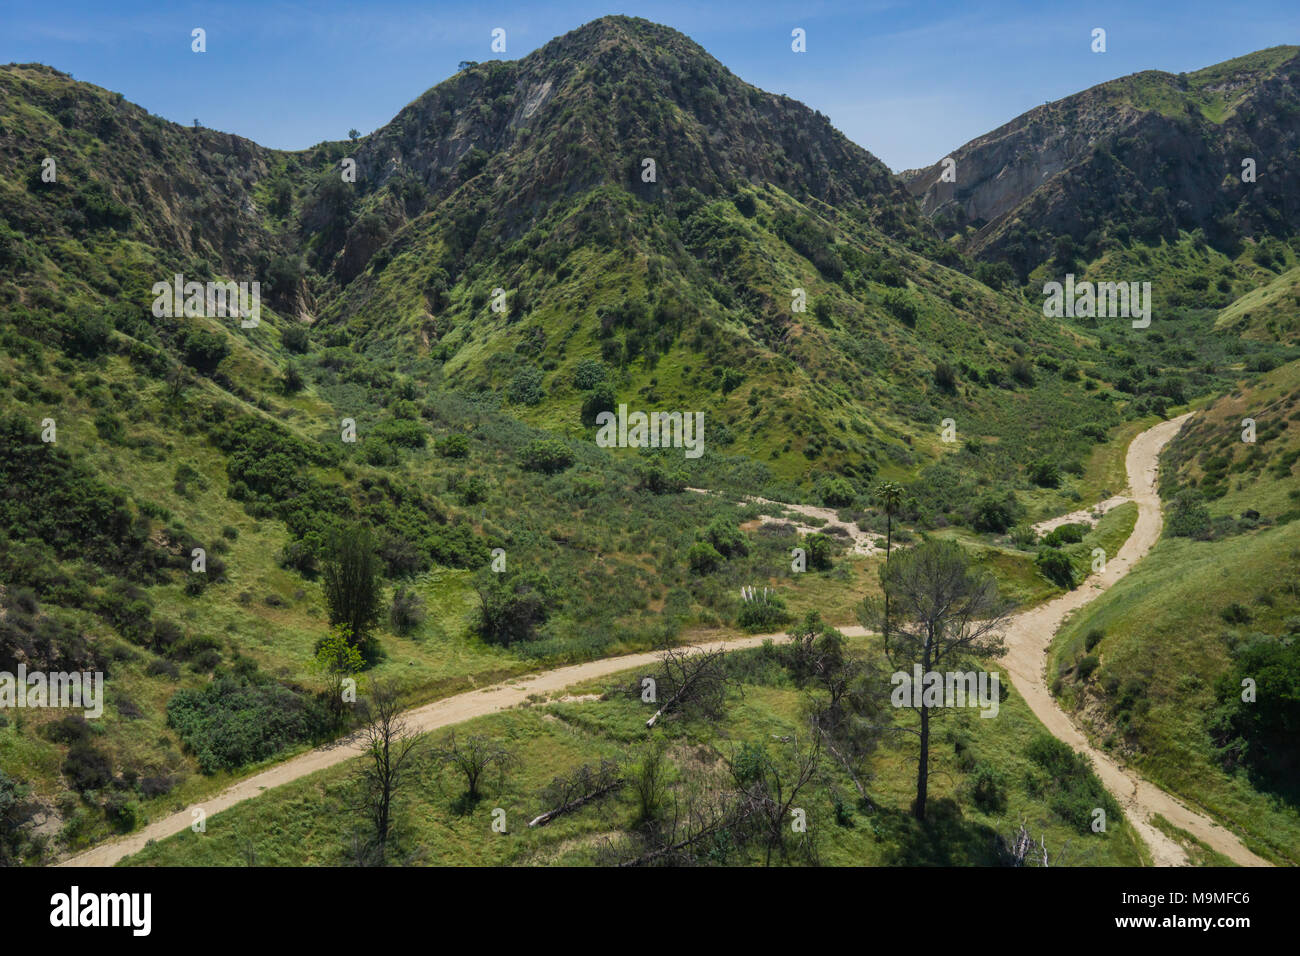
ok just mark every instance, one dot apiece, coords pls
pixel 1027 639
pixel 1029 634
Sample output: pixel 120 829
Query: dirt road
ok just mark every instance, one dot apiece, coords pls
pixel 1030 633
pixel 1027 639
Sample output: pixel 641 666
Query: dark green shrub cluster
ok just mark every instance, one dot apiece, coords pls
pixel 236 721
pixel 1067 780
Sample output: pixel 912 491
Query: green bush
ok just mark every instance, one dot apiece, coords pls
pixel 455 445
pixel 819 551
pixel 762 610
pixel 995 514
pixel 703 558
pixel 1066 534
pixel 546 455
pixel 836 492
pixel 589 373
pixel 407 612
pixel 1045 473
pixel 526 387
pixel 513 607
pixel 726 538
pixel 1188 517
pixel 1056 567
pixel 236 721
pixel 1072 789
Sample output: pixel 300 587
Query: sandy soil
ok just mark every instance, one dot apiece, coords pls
pixel 1086 516
pixel 864 542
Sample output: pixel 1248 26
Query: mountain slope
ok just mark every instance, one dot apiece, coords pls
pixel 1143 156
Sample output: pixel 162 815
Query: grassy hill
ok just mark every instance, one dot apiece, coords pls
pixel 475 426
pixel 1152 667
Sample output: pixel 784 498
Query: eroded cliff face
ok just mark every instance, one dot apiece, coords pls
pixel 1163 152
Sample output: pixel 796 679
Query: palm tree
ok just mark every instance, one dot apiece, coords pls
pixel 890 496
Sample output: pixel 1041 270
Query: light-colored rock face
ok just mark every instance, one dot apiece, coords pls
pixel 998 171
pixel 1150 150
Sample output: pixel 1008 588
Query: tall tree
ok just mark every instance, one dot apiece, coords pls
pixel 890 496
pixel 352 584
pixel 388 743
pixel 942 610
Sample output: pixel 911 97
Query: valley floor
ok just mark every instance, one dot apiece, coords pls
pixel 1153 812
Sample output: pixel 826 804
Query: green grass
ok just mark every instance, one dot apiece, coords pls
pixel 1163 628
pixel 1270 312
pixel 307 822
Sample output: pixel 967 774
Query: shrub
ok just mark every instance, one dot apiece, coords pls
pixel 995 514
pixel 473 490
pixel 512 608
pixel 1022 372
pixel 1260 734
pixel 945 377
pixel 235 721
pixel 1188 517
pixel 703 558
pixel 86 768
pixel 761 610
pixel 1067 779
pixel 526 387
pixel 546 455
pixel 407 612
pixel 1056 567
pixel 1086 666
pixel 1071 533
pixel 1093 638
pixel 819 551
pixel 294 338
pixel 455 445
pixel 204 351
pixel 836 492
pixel 658 480
pixel 589 373
pixel 1044 473
pixel 401 432
pixel 600 399
pixel 988 788
pixel 1024 536
pixel 726 538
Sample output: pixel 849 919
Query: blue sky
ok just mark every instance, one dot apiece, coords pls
pixel 909 81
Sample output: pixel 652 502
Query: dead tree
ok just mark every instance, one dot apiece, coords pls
pixel 1023 851
pixel 766 792
pixel 845 705
pixel 387 742
pixel 696 681
pixel 695 820
pixel 585 785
